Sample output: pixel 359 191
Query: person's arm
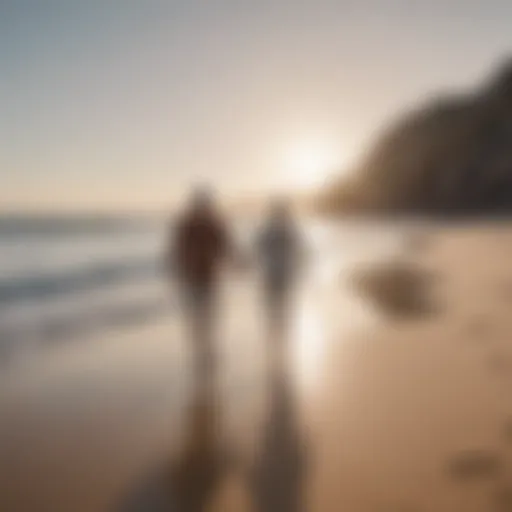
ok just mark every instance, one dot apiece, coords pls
pixel 174 247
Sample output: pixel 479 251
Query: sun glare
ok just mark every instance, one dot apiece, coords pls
pixel 311 162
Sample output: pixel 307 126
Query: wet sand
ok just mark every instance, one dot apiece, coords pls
pixel 381 412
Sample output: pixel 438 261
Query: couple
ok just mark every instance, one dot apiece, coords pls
pixel 202 242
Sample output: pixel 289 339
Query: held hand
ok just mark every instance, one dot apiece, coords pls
pixel 242 262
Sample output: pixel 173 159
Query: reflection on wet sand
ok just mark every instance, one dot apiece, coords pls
pixel 201 466
pixel 188 483
pixel 277 479
pixel 274 481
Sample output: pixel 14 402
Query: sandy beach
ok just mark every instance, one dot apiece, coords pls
pixel 418 416
pixel 386 409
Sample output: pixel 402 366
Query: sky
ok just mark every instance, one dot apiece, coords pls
pixel 125 104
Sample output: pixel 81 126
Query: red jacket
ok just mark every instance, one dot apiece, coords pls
pixel 201 244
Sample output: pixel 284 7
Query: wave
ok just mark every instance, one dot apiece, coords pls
pixel 83 323
pixel 81 280
pixel 56 226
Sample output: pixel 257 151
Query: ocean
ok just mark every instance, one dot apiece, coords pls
pixel 66 276
pixel 63 278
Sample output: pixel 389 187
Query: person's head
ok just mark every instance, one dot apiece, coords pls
pixel 280 210
pixel 202 200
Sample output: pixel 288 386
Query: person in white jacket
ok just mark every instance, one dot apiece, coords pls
pixel 278 248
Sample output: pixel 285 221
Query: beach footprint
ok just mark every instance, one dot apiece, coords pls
pixel 476 465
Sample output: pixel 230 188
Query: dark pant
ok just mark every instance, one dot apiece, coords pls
pixel 198 299
pixel 199 303
pixel 277 298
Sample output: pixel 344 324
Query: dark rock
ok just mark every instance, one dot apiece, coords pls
pixel 398 289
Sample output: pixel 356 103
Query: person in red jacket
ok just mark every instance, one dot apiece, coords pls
pixel 201 246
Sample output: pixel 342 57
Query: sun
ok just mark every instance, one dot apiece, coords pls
pixel 311 162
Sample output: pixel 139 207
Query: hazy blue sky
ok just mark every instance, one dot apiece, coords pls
pixel 123 103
